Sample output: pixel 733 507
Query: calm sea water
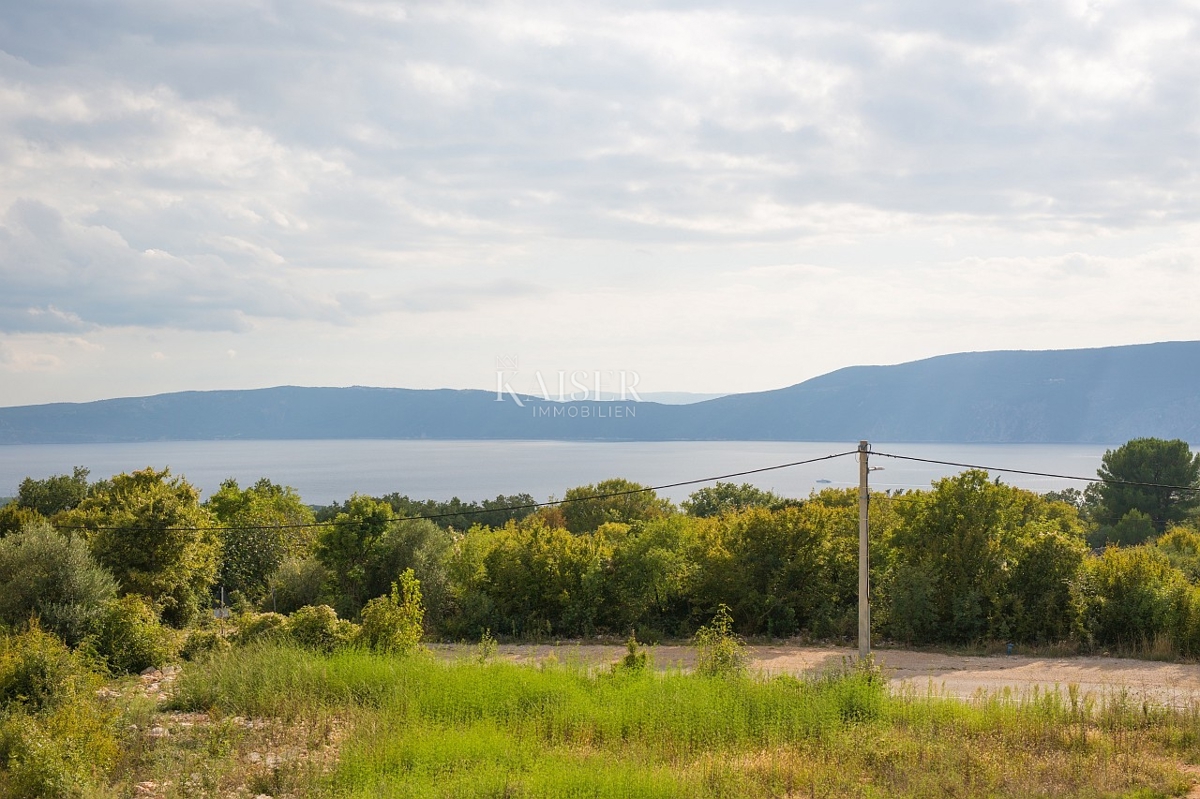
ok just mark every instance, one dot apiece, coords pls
pixel 327 471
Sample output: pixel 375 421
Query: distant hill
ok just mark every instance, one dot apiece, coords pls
pixel 1106 396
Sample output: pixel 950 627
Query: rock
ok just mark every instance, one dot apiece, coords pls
pixel 158 732
pixel 146 672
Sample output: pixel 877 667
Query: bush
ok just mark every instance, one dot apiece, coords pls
pixel 635 661
pixel 296 584
pixel 130 638
pixel 318 627
pixel 260 627
pixel 62 753
pixel 203 642
pixel 56 738
pixel 719 652
pixel 394 623
pixel 1130 594
pixel 36 669
pixel 48 575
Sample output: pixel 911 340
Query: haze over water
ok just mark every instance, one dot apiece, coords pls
pixel 328 471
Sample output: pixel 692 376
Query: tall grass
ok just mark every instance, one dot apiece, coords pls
pixel 422 727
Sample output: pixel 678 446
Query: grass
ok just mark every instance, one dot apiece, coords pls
pixel 418 727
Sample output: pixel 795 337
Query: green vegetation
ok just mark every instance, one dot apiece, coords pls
pixel 968 561
pixel 1148 461
pixel 261 527
pixel 110 578
pixel 421 727
pixel 53 577
pixel 149 530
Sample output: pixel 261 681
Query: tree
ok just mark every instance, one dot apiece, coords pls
pixel 53 577
pixel 14 518
pixel 585 508
pixel 1148 460
pixel 731 498
pixel 149 530
pixel 259 533
pixel 346 548
pixel 54 494
pixel 976 559
pixel 417 545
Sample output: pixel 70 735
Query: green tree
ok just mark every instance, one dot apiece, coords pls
pixel 54 494
pixel 259 531
pixel 14 518
pixel 1042 572
pixel 149 530
pixel 785 570
pixel 1181 545
pixel 1152 461
pixel 458 515
pixel 416 544
pixel 52 576
pixel 723 498
pixel 296 583
pixel 585 508
pixel 654 571
pixel 347 547
pixel 977 559
pixel 542 580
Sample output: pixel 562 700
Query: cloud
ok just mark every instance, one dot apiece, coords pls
pixel 61 276
pixel 345 168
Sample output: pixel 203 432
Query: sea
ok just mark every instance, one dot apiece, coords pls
pixel 330 471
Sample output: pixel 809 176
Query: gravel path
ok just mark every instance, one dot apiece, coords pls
pixel 952 675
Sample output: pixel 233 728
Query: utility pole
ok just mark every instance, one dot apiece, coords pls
pixel 864 589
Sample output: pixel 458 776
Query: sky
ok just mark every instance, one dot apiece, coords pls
pixel 708 197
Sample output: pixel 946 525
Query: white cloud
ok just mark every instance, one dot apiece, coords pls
pixel 242 177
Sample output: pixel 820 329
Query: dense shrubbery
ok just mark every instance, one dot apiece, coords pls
pixel 318 627
pixel 130 638
pixel 57 739
pixel 969 560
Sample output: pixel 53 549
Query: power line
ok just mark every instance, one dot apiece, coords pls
pixel 1111 481
pixel 479 511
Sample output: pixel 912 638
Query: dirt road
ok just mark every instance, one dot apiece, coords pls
pixel 952 675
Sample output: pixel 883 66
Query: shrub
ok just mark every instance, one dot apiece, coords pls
pixel 487 648
pixel 296 584
pixel 318 627
pixel 14 518
pixel 36 669
pixel 1130 595
pixel 260 627
pixel 719 651
pixel 203 642
pixel 634 661
pixel 53 577
pixel 130 638
pixel 394 623
pixel 62 753
pixel 56 738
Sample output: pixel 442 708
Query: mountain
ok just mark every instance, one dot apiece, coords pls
pixel 1105 395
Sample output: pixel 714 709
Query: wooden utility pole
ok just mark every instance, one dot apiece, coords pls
pixel 864 588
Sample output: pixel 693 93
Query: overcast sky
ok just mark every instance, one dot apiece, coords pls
pixel 718 197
